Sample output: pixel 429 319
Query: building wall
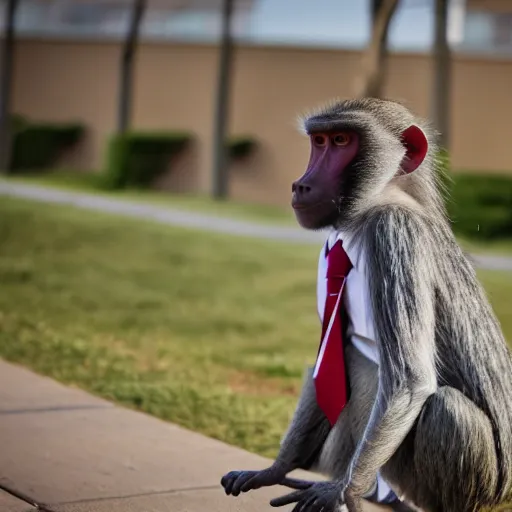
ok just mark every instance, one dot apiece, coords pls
pixel 174 89
pixel 490 5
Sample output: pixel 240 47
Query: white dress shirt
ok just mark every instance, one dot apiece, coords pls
pixel 356 299
pixel 360 330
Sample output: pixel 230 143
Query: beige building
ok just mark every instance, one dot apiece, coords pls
pixel 76 79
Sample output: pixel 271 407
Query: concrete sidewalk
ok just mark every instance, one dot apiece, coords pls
pixel 195 220
pixel 63 450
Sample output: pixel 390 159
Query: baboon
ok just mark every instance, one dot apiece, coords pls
pixel 426 397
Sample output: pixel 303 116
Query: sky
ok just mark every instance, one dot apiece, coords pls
pixel 326 23
pixel 340 22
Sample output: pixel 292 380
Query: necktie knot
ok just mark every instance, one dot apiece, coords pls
pixel 338 262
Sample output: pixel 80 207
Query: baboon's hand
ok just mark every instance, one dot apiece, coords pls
pixel 322 496
pixel 236 482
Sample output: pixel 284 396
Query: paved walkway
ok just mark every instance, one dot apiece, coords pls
pixel 189 219
pixel 63 450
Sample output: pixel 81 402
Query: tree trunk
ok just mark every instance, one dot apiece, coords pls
pixel 220 157
pixel 442 74
pixel 373 61
pixel 6 85
pixel 126 71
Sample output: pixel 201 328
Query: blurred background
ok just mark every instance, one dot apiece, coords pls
pixel 185 112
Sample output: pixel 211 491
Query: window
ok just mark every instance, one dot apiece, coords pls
pixel 488 31
pixel 503 29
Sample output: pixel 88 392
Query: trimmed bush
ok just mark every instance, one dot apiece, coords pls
pixel 18 122
pixel 241 147
pixel 37 146
pixel 136 159
pixel 481 206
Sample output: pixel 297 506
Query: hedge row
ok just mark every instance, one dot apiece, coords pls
pixel 133 159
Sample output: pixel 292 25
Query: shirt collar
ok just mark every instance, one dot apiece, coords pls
pixel 351 247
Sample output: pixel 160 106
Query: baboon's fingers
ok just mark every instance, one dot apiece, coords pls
pixel 295 483
pixel 293 497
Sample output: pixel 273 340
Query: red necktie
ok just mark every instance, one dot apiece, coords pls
pixel 330 375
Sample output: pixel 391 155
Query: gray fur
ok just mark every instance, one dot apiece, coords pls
pixel 436 416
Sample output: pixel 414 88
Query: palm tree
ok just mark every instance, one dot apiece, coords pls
pixel 442 74
pixel 126 70
pixel 220 157
pixel 371 81
pixel 6 84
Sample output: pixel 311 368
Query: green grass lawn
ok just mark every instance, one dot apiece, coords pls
pixel 209 331
pixel 90 182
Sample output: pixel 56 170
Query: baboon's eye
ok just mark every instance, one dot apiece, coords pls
pixel 319 140
pixel 341 139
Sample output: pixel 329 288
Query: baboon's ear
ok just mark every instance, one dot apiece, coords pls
pixel 416 146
